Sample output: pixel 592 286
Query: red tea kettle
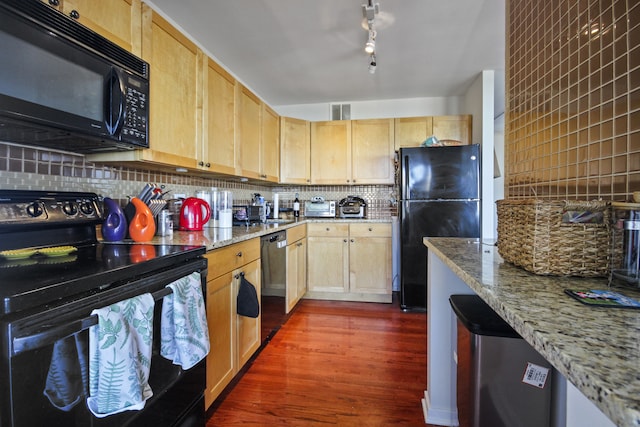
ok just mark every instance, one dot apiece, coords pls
pixel 192 217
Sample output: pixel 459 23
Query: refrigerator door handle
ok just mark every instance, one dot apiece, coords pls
pixel 405 179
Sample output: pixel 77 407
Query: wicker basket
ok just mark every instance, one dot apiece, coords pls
pixel 532 235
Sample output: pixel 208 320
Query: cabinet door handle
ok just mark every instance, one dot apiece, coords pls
pixel 208 165
pixel 345 240
pixel 200 163
pixel 299 244
pixel 74 14
pixel 351 240
pixel 54 2
pixel 327 228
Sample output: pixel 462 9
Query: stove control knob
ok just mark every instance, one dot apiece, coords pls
pixel 70 208
pixel 34 210
pixel 86 207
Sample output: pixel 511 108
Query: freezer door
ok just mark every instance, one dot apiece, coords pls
pixel 440 172
pixel 421 219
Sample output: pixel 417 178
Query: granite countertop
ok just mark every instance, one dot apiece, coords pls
pixel 595 348
pixel 214 238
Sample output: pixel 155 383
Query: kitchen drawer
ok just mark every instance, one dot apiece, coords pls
pixel 370 230
pixel 229 258
pixel 296 233
pixel 326 229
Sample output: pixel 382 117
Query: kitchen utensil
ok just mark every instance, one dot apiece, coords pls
pixel 142 226
pixel 156 205
pixel 165 223
pixel 194 214
pixel 114 226
pixel 146 192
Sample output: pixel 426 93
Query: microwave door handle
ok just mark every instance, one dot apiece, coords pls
pixel 114 104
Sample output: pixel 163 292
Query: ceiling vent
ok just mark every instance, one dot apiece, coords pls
pixel 340 111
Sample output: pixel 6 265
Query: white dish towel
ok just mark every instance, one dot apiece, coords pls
pixel 120 348
pixel 184 332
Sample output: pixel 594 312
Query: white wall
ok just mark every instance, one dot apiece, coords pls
pixel 389 108
pixel 479 102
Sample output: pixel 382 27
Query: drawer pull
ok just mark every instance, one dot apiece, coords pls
pixel 239 254
pixel 370 228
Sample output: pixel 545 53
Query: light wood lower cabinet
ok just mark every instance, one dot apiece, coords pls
pixel 350 262
pixel 296 266
pixel 234 339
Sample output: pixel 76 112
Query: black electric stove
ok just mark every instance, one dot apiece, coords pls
pixel 34 220
pixel 47 296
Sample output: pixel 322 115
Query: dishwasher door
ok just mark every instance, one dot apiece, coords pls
pixel 273 254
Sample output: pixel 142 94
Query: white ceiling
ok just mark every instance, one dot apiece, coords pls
pixel 312 51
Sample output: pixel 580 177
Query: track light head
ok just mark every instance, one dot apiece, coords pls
pixel 370 46
pixel 372 64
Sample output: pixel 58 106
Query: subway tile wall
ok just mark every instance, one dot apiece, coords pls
pixel 29 168
pixel 573 99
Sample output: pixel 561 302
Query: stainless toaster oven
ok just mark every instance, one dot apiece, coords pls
pixel 320 209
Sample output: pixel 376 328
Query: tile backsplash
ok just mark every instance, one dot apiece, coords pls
pixel 572 127
pixel 29 168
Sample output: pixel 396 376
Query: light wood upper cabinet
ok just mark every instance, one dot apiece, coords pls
pixel 248 132
pixel 218 152
pixel 331 152
pixel 457 128
pixel 175 99
pixel 412 131
pixel 352 152
pixel 270 145
pixel 295 151
pixel 372 151
pixel 116 20
pixel 257 137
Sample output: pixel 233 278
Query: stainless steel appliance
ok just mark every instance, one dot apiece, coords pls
pixel 352 207
pixel 319 208
pixel 46 310
pixel 273 256
pixel 439 197
pixel 504 388
pixel 64 86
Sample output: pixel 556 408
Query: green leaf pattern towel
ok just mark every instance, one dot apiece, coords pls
pixel 184 332
pixel 120 348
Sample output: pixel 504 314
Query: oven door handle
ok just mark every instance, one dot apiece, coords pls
pixel 51 335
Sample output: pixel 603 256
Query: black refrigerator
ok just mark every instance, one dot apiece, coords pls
pixel 439 197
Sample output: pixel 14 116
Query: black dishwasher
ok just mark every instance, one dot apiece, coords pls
pixel 273 254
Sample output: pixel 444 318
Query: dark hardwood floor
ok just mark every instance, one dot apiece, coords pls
pixel 333 363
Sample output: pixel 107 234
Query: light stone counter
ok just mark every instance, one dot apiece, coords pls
pixel 214 238
pixel 596 349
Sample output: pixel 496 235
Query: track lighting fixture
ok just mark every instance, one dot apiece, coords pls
pixel 370 46
pixel 372 64
pixel 369 11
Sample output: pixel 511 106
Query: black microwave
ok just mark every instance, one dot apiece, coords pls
pixel 64 86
